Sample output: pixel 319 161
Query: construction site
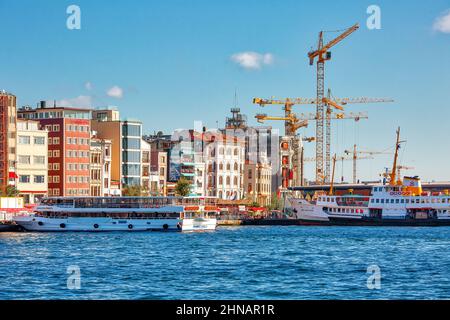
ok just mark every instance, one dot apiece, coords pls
pixel 329 110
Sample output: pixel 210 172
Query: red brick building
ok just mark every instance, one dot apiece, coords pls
pixel 69 134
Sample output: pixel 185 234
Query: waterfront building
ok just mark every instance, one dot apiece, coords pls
pixel 224 158
pixel 32 161
pixel 107 125
pixel 100 167
pixel 160 146
pixel 145 167
pixel 131 153
pixel 69 133
pixel 186 160
pixel 258 182
pixel 8 121
pixel 126 137
pixel 261 144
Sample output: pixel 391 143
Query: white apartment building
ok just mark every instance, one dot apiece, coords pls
pixel 32 159
pixel 225 158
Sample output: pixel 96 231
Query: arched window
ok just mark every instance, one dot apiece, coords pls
pixel 228 166
pixel 249 188
pixel 236 151
pixel 236 166
pixel 235 181
pixel 221 151
pixel 220 194
pixel 229 151
pixel 221 166
pixel 220 180
pixel 228 181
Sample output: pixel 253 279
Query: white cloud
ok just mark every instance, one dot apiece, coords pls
pixel 115 92
pixel 252 60
pixel 442 23
pixel 78 102
pixel 88 85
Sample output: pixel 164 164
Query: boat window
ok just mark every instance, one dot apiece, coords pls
pixel 382 200
pixel 378 201
pixel 402 201
pixel 397 200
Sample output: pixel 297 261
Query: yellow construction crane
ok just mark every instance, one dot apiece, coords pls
pixel 322 54
pixel 292 123
pixel 329 102
pixel 355 158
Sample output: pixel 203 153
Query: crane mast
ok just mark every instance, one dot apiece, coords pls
pixel 323 55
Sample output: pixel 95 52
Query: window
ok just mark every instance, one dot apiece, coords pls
pixel 39 140
pixel 24 160
pixel 236 167
pixel 24 179
pixel 228 181
pixel 56 127
pixel 56 166
pixel 56 153
pixel 228 166
pixel 39 179
pixel 39 159
pixel 24 139
pixel 56 140
pixel 236 151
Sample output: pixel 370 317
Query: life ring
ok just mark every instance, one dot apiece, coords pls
pixel 96 226
pixel 165 226
pixel 130 226
pixel 179 226
pixel 62 225
pixel 40 223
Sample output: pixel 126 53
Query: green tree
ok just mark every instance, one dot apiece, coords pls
pixel 183 187
pixel 276 203
pixel 10 191
pixel 132 191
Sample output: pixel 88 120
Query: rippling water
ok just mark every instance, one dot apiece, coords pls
pixel 231 263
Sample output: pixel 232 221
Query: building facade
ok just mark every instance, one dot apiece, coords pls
pixel 100 167
pixel 225 158
pixel 145 167
pixel 69 133
pixel 131 153
pixel 32 161
pixel 107 126
pixel 7 140
pixel 258 183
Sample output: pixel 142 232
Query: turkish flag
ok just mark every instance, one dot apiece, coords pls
pixel 13 175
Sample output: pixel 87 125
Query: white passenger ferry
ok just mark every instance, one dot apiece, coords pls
pixel 399 203
pixel 121 213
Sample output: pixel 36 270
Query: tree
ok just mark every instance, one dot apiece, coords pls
pixel 183 187
pixel 276 203
pixel 132 191
pixel 10 191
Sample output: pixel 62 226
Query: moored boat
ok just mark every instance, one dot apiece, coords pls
pixel 115 214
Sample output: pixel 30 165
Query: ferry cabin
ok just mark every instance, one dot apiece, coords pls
pixel 120 213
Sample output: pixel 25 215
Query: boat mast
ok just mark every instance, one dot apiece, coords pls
pixel 332 176
pixel 392 181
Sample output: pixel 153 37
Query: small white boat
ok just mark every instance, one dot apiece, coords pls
pixel 118 214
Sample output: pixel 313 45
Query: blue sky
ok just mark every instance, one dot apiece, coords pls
pixel 170 64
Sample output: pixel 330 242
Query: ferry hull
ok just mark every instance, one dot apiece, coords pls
pixel 40 224
pixel 199 224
